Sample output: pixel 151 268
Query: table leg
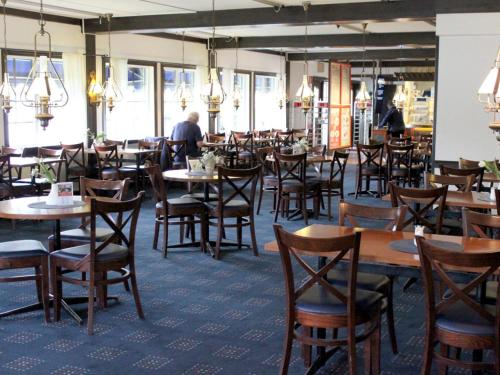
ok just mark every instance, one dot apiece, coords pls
pixel 138 172
pixel 57 234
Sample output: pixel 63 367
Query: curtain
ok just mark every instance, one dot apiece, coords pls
pixel 200 79
pixel 226 115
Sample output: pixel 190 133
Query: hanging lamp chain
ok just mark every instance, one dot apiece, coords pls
pixel 183 37
pixel 306 36
pixel 364 50
pixel 4 2
pixel 108 16
pixel 401 61
pixel 42 21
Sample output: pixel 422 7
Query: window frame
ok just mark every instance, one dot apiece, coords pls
pixel 254 92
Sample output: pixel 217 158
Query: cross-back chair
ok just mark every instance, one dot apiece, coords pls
pixel 176 152
pixel 420 212
pixel 39 182
pixel 316 303
pixel 235 201
pixel 74 160
pixel 283 139
pixel 110 166
pixel 457 319
pixel 478 174
pixel 120 144
pixel 97 259
pixel 268 177
pixel 370 166
pixel 400 167
pixel 461 183
pixel 244 149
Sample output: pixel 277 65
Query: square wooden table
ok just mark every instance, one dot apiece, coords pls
pixel 472 199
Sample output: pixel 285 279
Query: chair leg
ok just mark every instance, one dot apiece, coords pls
pixel 261 193
pixel 181 231
pixel 390 316
pixel 329 205
pixel 38 283
pixel 445 352
pixel 191 226
pixel 477 356
pixel 428 351
pixel 375 350
pixel 287 348
pixel 252 234
pixel 239 231
pixel 156 234
pixel 307 349
pixel 220 229
pixel 45 288
pixel 90 317
pixel 165 235
pixel 351 350
pixel 56 290
pixel 135 291
pixel 304 208
pixel 278 206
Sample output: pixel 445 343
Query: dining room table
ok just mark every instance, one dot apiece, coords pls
pixel 36 208
pixel 459 199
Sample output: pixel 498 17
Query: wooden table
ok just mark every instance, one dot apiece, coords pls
pixel 375 245
pixel 313 159
pixel 18 208
pixel 471 199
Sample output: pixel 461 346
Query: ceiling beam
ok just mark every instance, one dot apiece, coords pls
pixel 347 13
pixel 397 64
pixel 186 38
pixel 335 40
pixel 36 16
pixel 374 54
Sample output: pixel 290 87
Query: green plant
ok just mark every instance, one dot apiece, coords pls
pixel 490 166
pixel 45 171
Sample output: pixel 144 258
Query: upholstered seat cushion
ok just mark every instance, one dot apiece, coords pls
pixel 367 281
pixel 233 207
pixel 201 196
pixel 109 253
pixel 317 300
pixel 271 180
pixel 22 248
pixel 295 185
pixel 460 318
pixel 372 170
pixel 76 171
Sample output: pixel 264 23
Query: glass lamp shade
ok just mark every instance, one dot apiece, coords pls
pixel 183 94
pixel 399 99
pixel 95 91
pixel 212 93
pixel 236 96
pixel 281 96
pixel 7 93
pixel 305 94
pixel 363 97
pixel 44 90
pixel 489 93
pixel 112 92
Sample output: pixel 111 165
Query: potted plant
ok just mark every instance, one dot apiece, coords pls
pixel 209 160
pixel 492 167
pixel 300 147
pixel 96 138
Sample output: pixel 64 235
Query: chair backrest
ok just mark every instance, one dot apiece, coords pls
pixel 290 167
pixel 427 199
pixel 243 142
pixel 12 151
pixel 5 176
pixel 338 165
pixel 176 151
pixel 154 156
pixel 400 156
pixel 74 155
pixel 120 144
pixel 467 164
pixel 395 216
pixel 233 133
pixel 283 139
pixel 434 264
pixel 215 138
pixel 55 167
pixel 157 183
pixel 116 189
pixel 399 141
pixel 229 191
pixel 476 172
pixel 104 209
pixel 462 183
pixel 294 247
pixel 107 157
pixel 370 155
pixel 479 224
pixel 318 150
pixel 261 154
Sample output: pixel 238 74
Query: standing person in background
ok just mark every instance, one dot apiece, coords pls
pixel 394 120
pixel 189 131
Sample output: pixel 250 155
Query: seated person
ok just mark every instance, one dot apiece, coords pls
pixel 189 131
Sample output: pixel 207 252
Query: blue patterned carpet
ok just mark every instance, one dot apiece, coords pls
pixel 202 316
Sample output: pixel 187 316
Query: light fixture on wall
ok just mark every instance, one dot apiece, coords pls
pixel 95 90
pixel 183 92
pixel 489 94
pixel 44 89
pixel 399 98
pixel 7 92
pixel 112 92
pixel 305 92
pixel 363 96
pixel 281 95
pixel 212 93
pixel 236 86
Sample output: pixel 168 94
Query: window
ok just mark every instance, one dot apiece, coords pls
pixel 134 116
pixel 267 112
pixel 231 118
pixel 23 128
pixel 172 110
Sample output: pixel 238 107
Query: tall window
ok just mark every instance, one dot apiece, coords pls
pixel 23 128
pixel 230 117
pixel 267 112
pixel 134 116
pixel 172 111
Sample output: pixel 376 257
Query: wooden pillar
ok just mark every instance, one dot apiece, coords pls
pixel 90 66
pixel 288 104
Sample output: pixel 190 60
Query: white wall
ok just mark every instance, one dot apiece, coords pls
pixel 468 45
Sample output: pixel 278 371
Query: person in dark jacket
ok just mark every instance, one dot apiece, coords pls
pixel 189 131
pixel 394 120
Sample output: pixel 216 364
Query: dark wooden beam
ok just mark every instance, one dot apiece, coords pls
pixel 466 6
pixel 345 13
pixel 90 66
pixel 374 54
pixel 191 39
pixel 36 16
pixel 335 40
pixel 397 64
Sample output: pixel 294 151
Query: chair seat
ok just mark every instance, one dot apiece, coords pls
pixel 296 185
pixel 181 202
pixel 459 318
pixel 111 252
pixel 366 281
pixel 271 181
pixel 76 171
pixel 201 196
pixel 83 234
pixel 373 170
pixel 22 248
pixel 317 300
pixel 235 207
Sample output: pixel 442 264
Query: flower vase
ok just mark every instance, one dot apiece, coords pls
pixel 492 193
pixel 209 168
pixel 53 197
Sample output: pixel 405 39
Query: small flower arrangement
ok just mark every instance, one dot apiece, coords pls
pixel 96 137
pixel 208 158
pixel 44 171
pixel 490 166
pixel 301 146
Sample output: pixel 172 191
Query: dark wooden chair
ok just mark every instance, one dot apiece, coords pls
pixel 478 174
pixel 109 164
pixel 120 144
pixel 176 151
pixel 215 137
pixel 316 303
pixel 461 183
pixel 399 141
pixel 400 165
pixel 332 185
pixel 146 160
pixel 283 139
pixel 244 150
pixel 74 161
pixel 39 182
pixel 9 187
pixel 97 259
pixel 12 151
pixel 457 319
pixel 294 186
pixel 235 201
pixel 268 177
pixel 467 164
pixel 421 213
pixel 188 211
pixel 27 254
pixel 393 218
pixel 370 167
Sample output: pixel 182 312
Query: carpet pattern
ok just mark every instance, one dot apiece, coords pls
pixel 203 316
